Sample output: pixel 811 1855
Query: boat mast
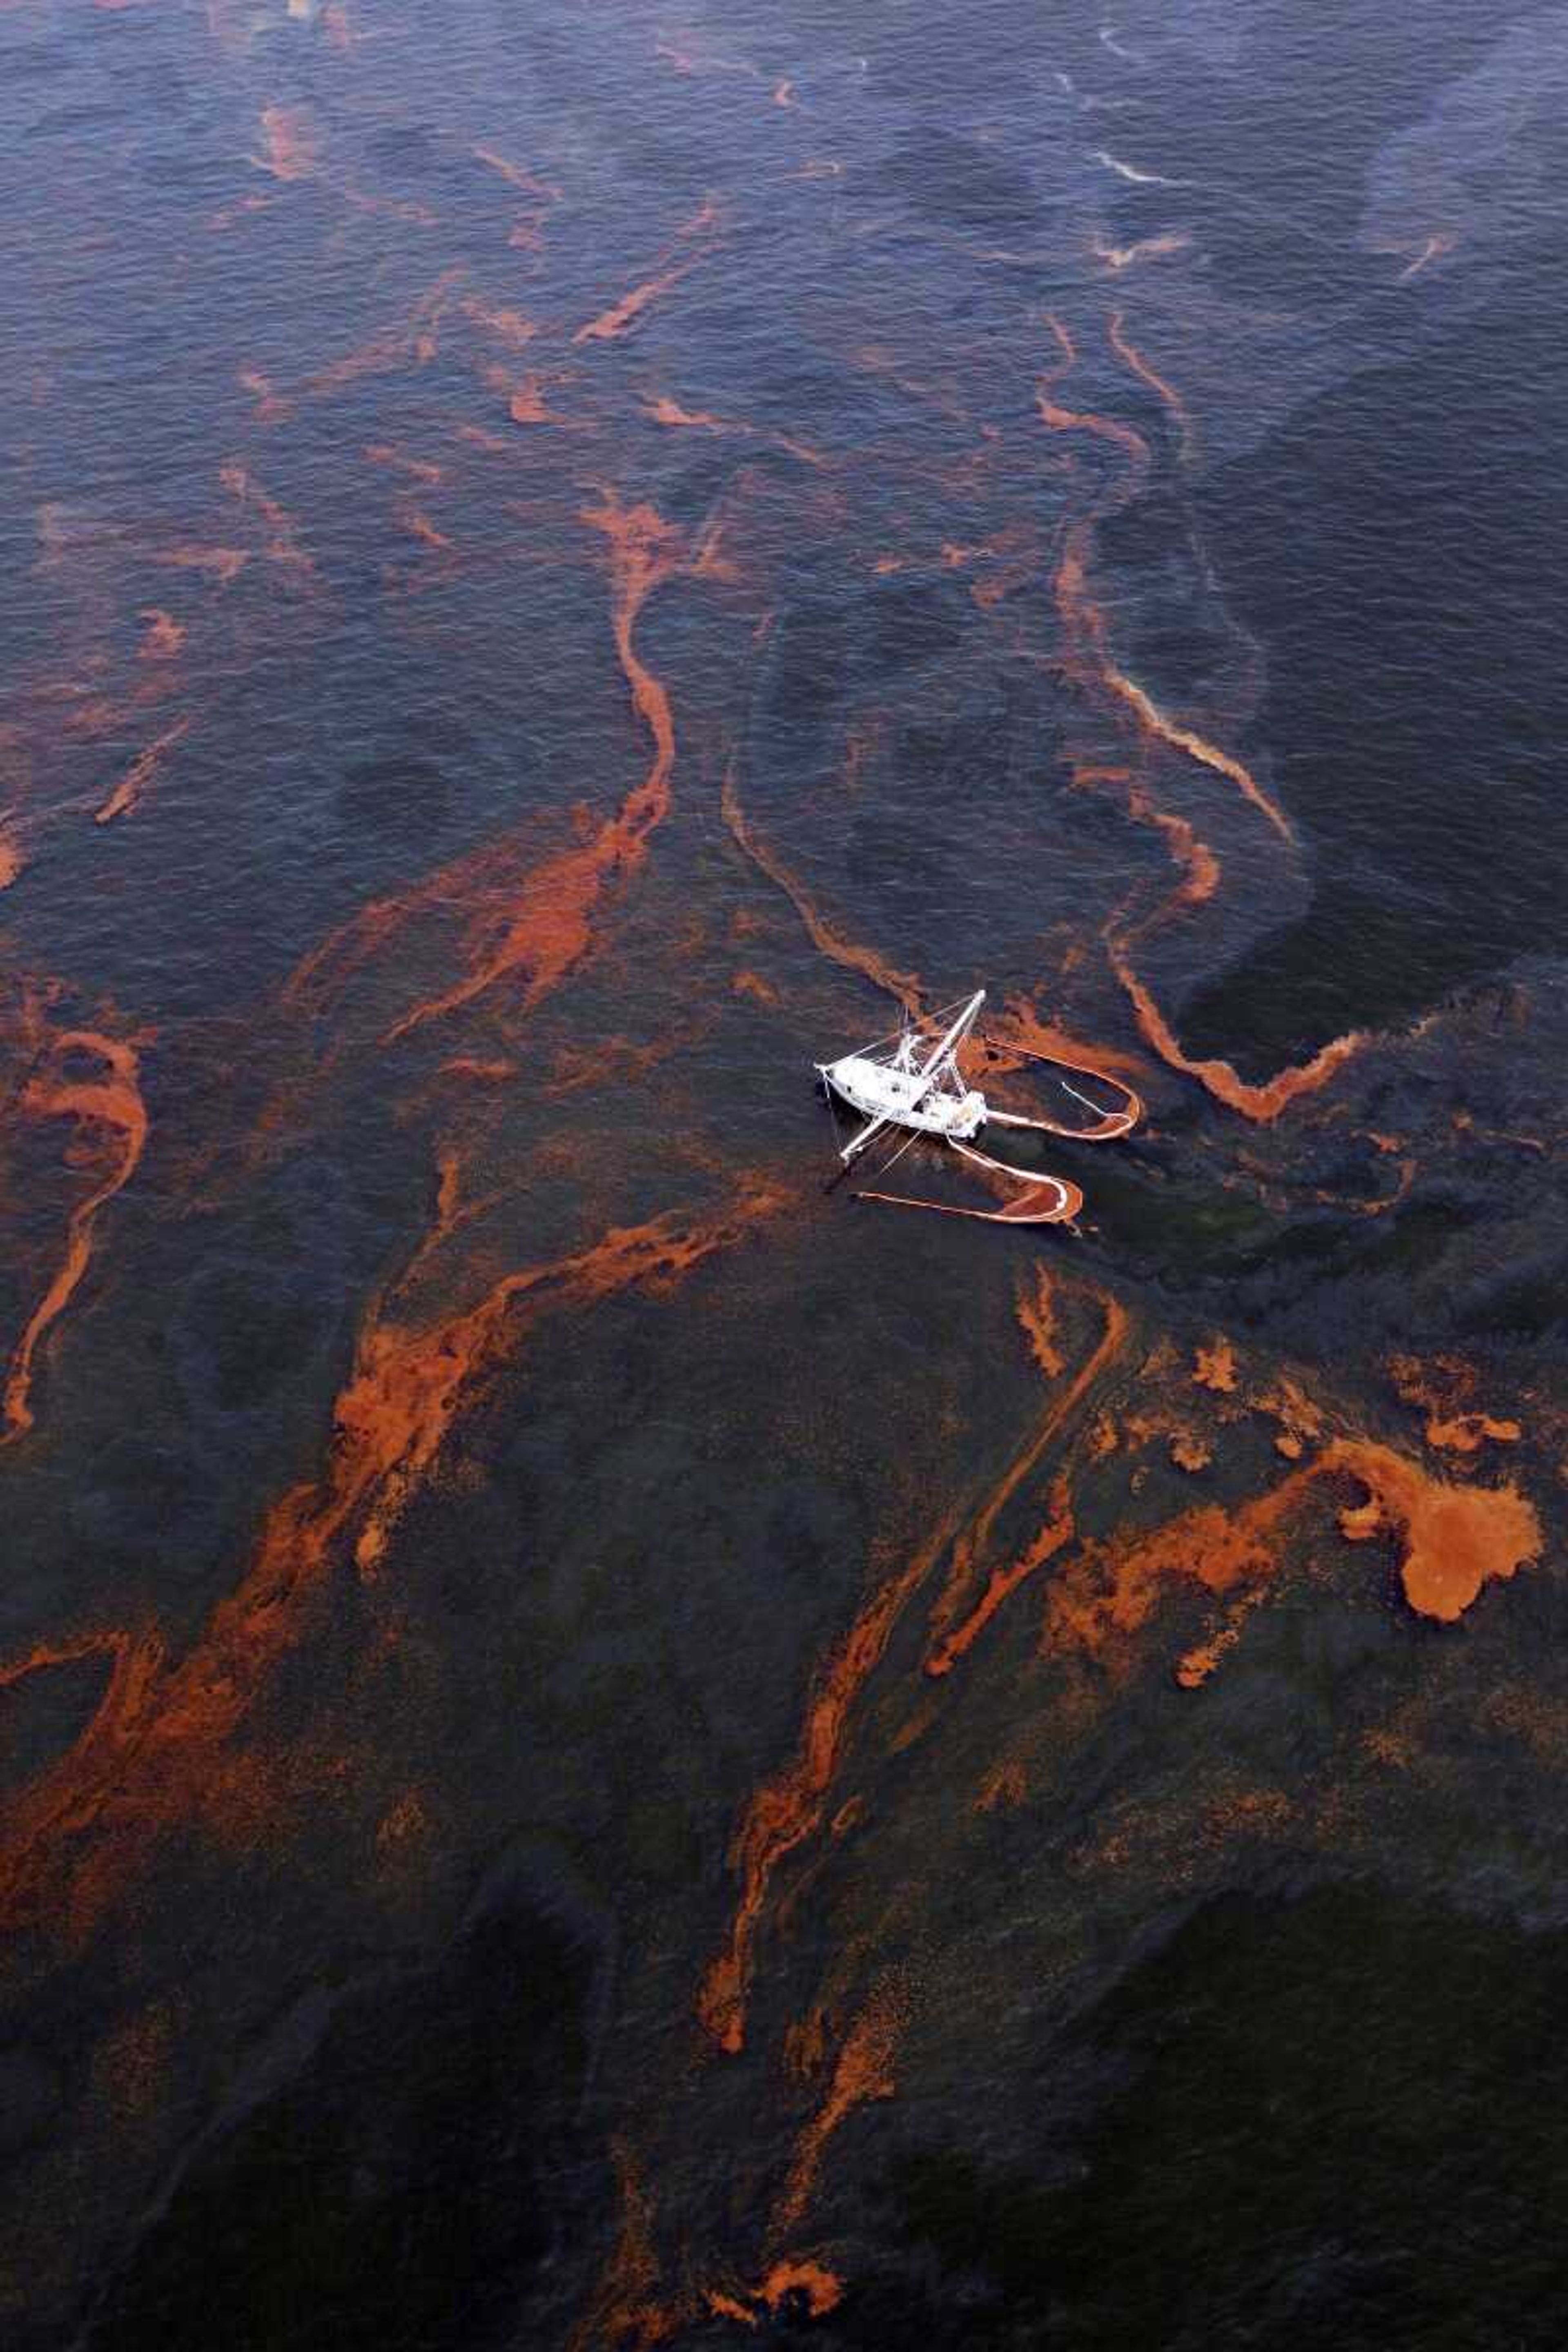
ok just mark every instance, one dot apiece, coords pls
pixel 955 1035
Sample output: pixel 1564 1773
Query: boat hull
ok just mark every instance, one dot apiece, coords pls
pixel 903 1098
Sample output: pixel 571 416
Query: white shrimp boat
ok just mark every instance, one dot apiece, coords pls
pixel 909 1081
pixel 912 1080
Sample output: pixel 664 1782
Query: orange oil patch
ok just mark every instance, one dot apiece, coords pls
pixel 1005 1785
pixel 1467 1431
pixel 127 794
pixel 526 403
pixel 513 328
pixel 666 411
pixel 727 2307
pixel 407 1822
pixel 1213 1367
pixel 164 636
pixel 110 1120
pixel 753 984
pixel 291 139
pixel 1194 1669
pixel 1454 1539
pixel 823 2289
pixel 1441 1390
pixel 1189 1452
pixel 12 861
pixel 1113 1585
pixel 1301 1419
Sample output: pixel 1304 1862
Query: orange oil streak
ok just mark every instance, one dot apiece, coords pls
pixel 548 930
pixel 787 1810
pixel 1147 248
pixel 1085 628
pixel 1067 420
pixel 382 453
pixel 1166 392
pixel 1263 1102
pixel 665 410
pixel 416 339
pixel 1200 869
pixel 863 2072
pixel 613 323
pixel 1432 250
pixel 1056 1532
pixel 1081 616
pixel 282 547
pixel 518 175
pixel 902 985
pixel 1036 1319
pixel 970 1551
pixel 128 791
pixel 112 1104
pixel 71 1839
pixel 1004 1784
pixel 626 2308
pixel 1154 721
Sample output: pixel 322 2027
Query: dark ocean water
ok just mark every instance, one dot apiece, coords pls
pixel 598 1746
